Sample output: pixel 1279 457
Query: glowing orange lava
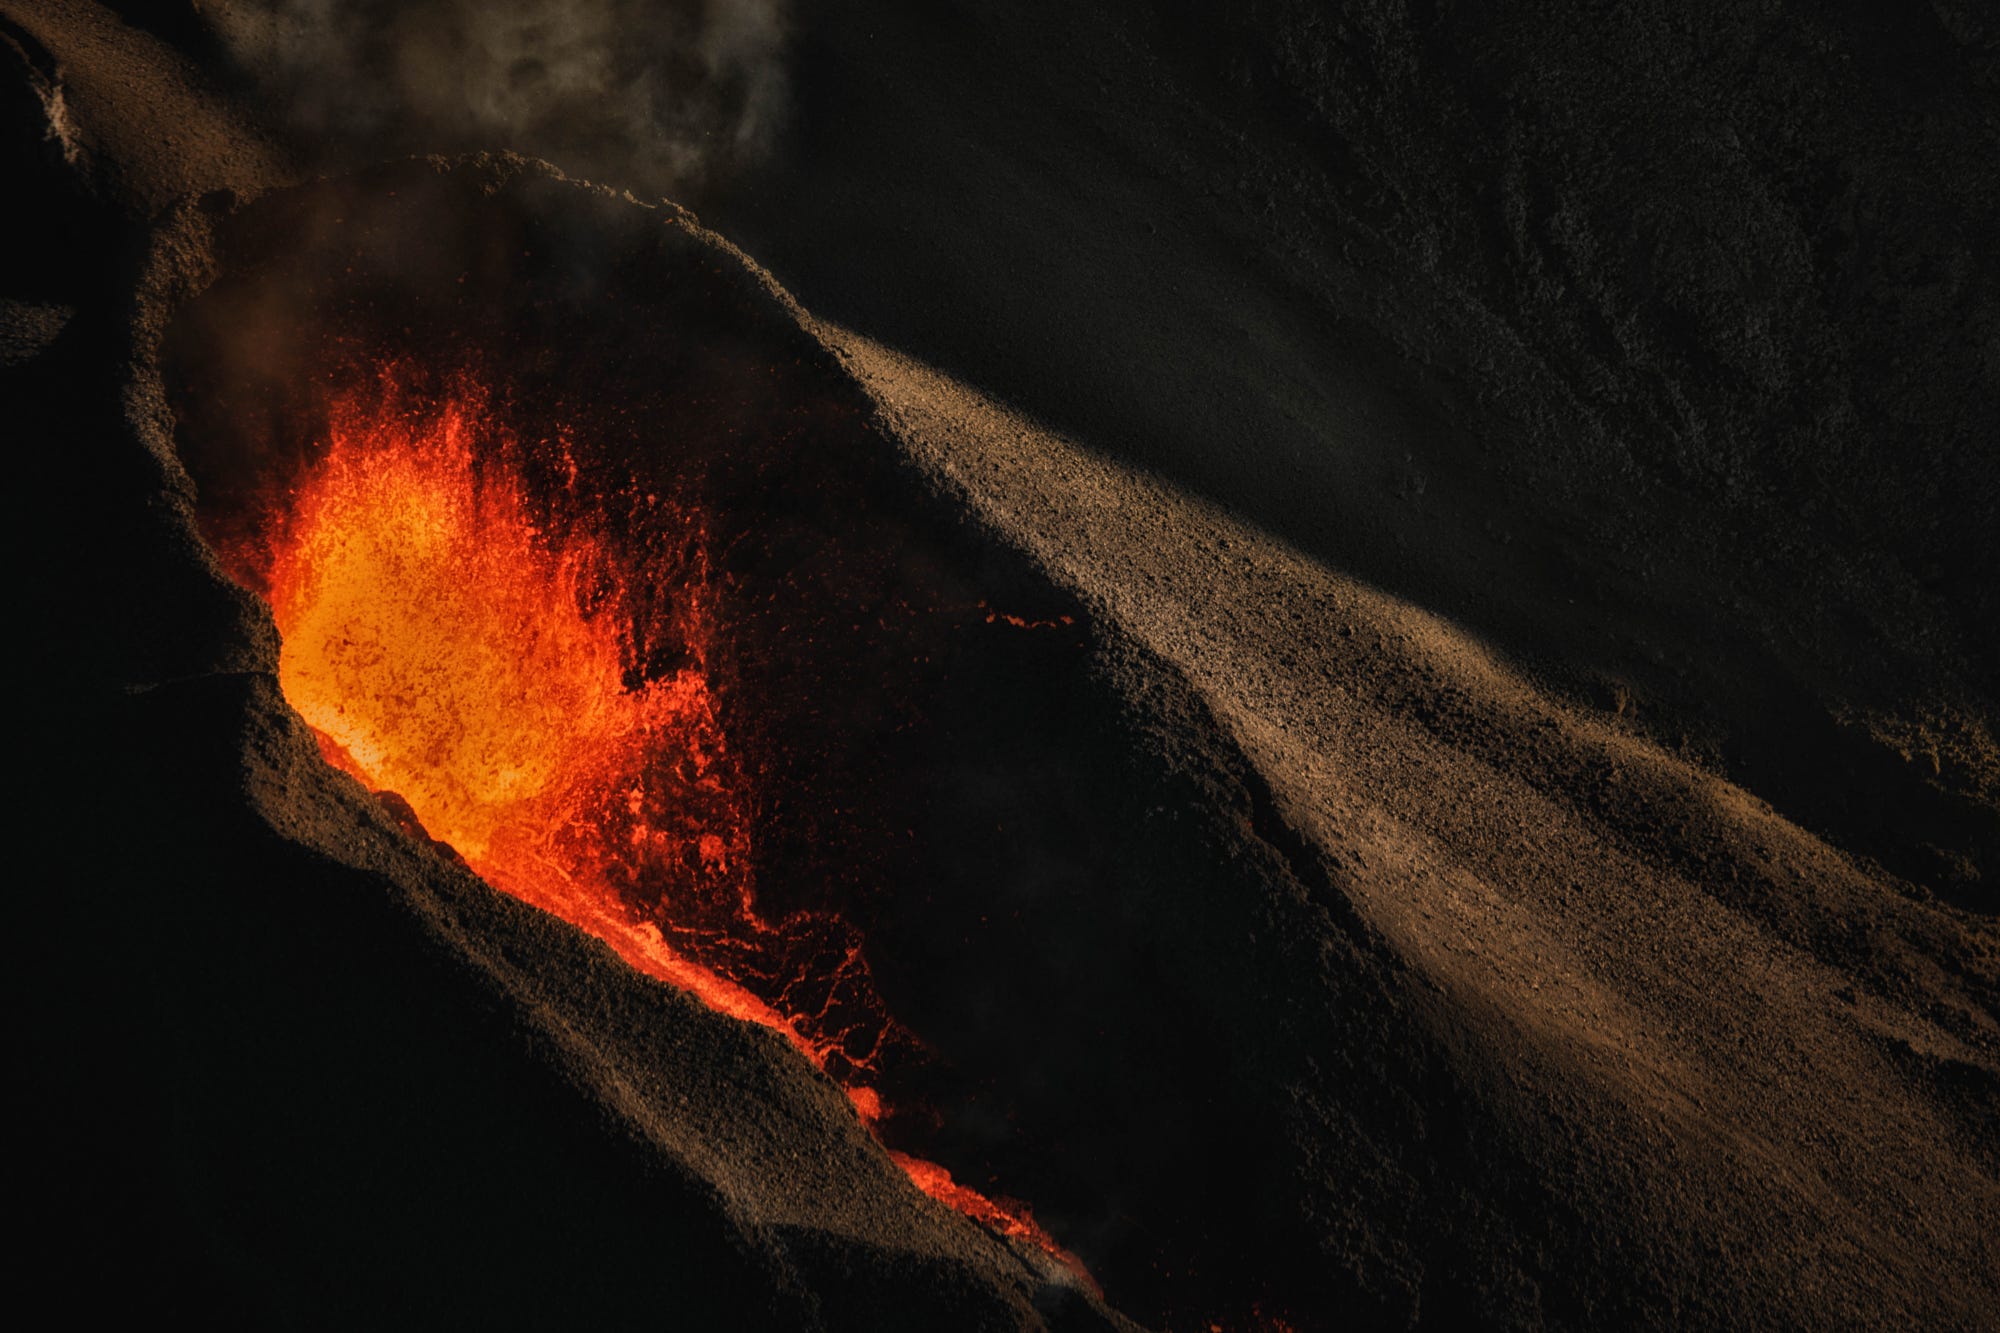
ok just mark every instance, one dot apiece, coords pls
pixel 459 643
pixel 448 650
pixel 1011 1219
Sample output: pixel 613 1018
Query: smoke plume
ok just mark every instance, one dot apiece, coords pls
pixel 654 95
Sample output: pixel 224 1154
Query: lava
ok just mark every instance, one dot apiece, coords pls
pixel 1009 1219
pixel 448 647
pixel 469 642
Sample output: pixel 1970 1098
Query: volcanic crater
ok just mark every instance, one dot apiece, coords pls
pixel 895 802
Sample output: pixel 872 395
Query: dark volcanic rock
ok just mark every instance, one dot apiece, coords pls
pixel 1724 260
pixel 1655 346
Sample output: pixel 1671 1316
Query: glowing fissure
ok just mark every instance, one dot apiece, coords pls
pixel 452 643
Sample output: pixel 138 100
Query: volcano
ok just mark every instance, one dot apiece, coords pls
pixel 1254 671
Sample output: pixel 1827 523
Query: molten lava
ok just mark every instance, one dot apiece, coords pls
pixel 448 647
pixel 1009 1219
pixel 470 643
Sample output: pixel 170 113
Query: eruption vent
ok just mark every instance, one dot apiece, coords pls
pixel 463 627
pixel 449 645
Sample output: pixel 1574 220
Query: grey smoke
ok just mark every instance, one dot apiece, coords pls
pixel 654 95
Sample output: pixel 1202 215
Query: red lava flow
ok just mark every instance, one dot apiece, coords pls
pixel 455 642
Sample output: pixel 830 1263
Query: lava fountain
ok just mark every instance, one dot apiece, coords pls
pixel 471 641
pixel 448 645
